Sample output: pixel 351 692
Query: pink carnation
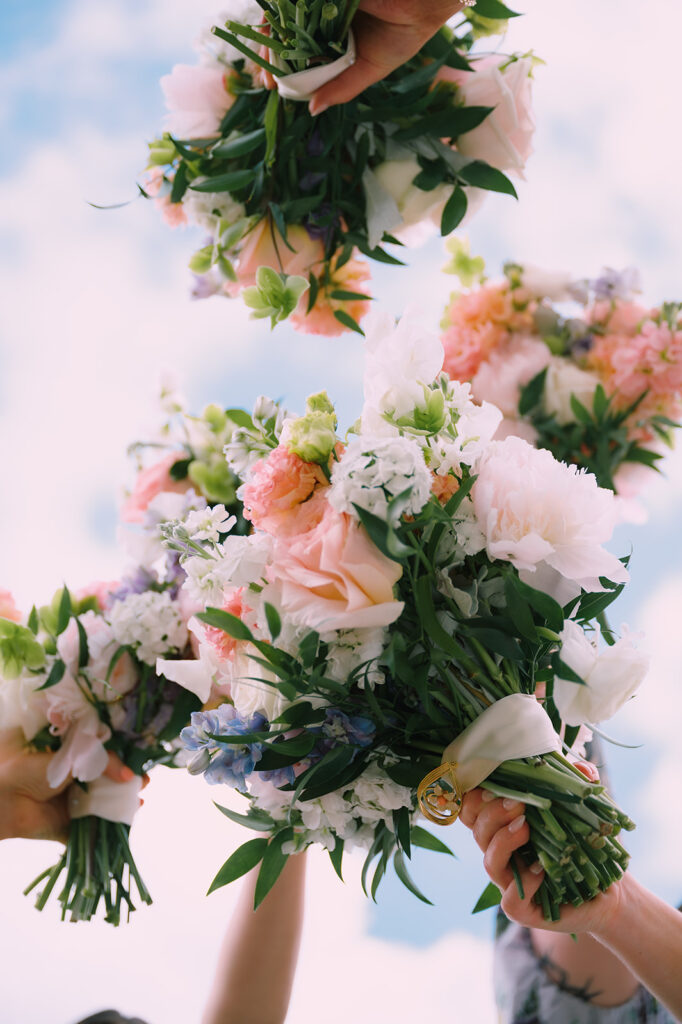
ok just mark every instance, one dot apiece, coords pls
pixel 8 609
pixel 333 577
pixel 154 480
pixel 276 498
pixel 479 322
pixel 351 277
pixel 224 645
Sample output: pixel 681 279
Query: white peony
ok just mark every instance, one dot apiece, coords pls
pixel 548 519
pixel 563 380
pixel 373 470
pixel 611 676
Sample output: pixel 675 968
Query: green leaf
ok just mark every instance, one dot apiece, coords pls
pixel 183 706
pixel 494 9
pixel 427 841
pixel 299 715
pixel 401 825
pixel 271 868
pixel 543 604
pixel 490 897
pixel 383 535
pixel 454 211
pixel 340 293
pixel 240 145
pixel 242 861
pixel 273 620
pixel 600 403
pixel 410 774
pixel 83 649
pixel 179 184
pixel 256 823
pixel 518 610
pixel 580 412
pixel 286 752
pixel 233 181
pixel 323 777
pixel 564 671
pixel 240 417
pixel 308 648
pixel 348 321
pixel 336 857
pixel 33 621
pixel 56 675
pixel 405 877
pixel 229 624
pixel 497 641
pixel 532 392
pixel 482 175
pixel 448 124
pixel 64 613
pixel 270 119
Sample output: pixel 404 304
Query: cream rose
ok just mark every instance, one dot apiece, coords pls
pixel 562 381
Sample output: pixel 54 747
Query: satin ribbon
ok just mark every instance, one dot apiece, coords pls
pixel 104 798
pixel 300 85
pixel 516 726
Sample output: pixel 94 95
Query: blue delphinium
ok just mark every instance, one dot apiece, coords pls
pixel 340 728
pixel 227 763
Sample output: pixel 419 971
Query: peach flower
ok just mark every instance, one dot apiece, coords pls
pixel 351 277
pixel 477 323
pixel 278 491
pixel 154 480
pixel 333 577
pixel 224 645
pixel 443 486
pixel 265 247
pixel 8 609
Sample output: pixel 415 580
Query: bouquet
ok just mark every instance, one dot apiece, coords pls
pixel 78 676
pixel 412 616
pixel 290 203
pixel 578 367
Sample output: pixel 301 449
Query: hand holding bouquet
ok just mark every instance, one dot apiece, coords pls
pixel 291 203
pixel 600 388
pixel 414 585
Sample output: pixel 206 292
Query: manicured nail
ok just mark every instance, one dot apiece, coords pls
pixel 487 796
pixel 537 868
pixel 510 804
pixel 317 108
pixel 126 774
pixel 517 823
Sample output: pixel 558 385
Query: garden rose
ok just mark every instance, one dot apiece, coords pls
pixel 151 482
pixel 276 490
pixel 415 206
pixel 197 100
pixel 333 577
pixel 611 676
pixel 265 247
pixel 8 609
pixel 563 380
pixel 548 519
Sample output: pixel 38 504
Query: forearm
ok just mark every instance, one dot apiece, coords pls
pixel 257 961
pixel 584 967
pixel 646 934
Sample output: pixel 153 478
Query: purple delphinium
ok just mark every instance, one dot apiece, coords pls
pixel 138 582
pixel 204 286
pixel 616 284
pixel 227 763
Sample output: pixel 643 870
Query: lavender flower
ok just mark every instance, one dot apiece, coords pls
pixel 617 284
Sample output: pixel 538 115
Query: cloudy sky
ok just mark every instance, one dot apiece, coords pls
pixel 93 304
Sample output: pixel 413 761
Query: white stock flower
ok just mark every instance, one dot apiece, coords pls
pixel 611 676
pixel 150 623
pixel 207 524
pixel 400 358
pixel 548 519
pixel 349 648
pixel 373 470
pixel 563 380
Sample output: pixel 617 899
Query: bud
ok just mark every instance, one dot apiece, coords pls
pixel 19 649
pixel 320 403
pixel 214 479
pixel 264 409
pixel 312 437
pixel 161 152
pixel 199 763
pixel 215 417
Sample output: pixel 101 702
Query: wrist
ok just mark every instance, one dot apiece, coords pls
pixel 620 902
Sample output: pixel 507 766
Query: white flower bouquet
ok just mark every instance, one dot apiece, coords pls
pixel 291 203
pixel 579 367
pixel 412 616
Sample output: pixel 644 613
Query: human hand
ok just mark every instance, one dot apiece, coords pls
pixel 500 829
pixel 387 34
pixel 29 807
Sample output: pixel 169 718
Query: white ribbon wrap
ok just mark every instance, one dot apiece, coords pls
pixel 516 726
pixel 302 84
pixel 104 798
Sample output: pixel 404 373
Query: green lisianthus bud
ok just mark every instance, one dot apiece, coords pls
pixel 428 418
pixel 312 437
pixel 161 152
pixel 482 27
pixel 215 417
pixel 19 649
pixel 214 479
pixel 320 403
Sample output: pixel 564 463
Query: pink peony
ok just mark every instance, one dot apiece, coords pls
pixel 479 322
pixel 351 277
pixel 8 609
pixel 154 480
pixel 548 519
pixel 333 577
pixel 265 247
pixel 197 99
pixel 505 137
pixel 278 491
pixel 500 378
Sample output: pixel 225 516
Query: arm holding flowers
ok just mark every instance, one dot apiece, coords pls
pixel 626 935
pixel 387 34
pixel 258 957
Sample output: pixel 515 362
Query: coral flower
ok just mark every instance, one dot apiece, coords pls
pixel 477 323
pixel 351 277
pixel 277 493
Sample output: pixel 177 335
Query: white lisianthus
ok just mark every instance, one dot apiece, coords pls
pixel 611 676
pixel 206 209
pixel 373 470
pixel 253 688
pixel 413 206
pixel 237 562
pixel 563 380
pixel 150 623
pixel 349 648
pixel 548 519
pixel 400 358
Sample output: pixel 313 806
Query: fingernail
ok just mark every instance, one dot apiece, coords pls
pixel 510 804
pixel 127 774
pixel 487 796
pixel 536 869
pixel 317 108
pixel 517 823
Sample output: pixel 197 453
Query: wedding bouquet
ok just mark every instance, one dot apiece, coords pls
pixel 412 616
pixel 291 203
pixel 578 367
pixel 78 676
